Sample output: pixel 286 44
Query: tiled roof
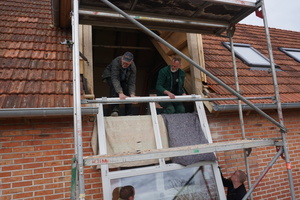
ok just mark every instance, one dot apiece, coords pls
pixel 254 83
pixel 35 68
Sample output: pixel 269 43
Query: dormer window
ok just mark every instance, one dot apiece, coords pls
pixel 250 56
pixel 294 53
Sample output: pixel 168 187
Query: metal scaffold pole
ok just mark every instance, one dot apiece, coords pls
pixel 77 102
pixel 240 106
pixel 277 96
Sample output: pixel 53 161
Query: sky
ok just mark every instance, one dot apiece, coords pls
pixel 282 14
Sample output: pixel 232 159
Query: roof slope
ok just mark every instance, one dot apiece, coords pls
pixel 36 69
pixel 254 83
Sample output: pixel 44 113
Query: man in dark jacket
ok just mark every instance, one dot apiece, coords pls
pixel 170 82
pixel 120 75
pixel 235 185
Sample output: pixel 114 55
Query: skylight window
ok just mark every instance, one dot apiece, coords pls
pixel 250 56
pixel 294 53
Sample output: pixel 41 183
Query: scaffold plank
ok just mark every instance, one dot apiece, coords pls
pixel 178 151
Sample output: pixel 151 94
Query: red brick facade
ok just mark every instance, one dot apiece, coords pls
pixel 275 184
pixel 36 156
pixel 36 159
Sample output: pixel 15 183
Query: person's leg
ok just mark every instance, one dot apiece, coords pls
pixel 113 93
pixel 168 107
pixel 179 107
pixel 128 107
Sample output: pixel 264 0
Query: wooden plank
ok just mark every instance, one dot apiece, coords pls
pixel 86 48
pixel 201 56
pixel 178 151
pixel 177 40
pixel 162 50
pixel 194 42
pixel 185 64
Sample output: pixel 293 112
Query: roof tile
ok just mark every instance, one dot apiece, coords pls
pixel 25 54
pixel 20 74
pixel 11 53
pixel 16 87
pixel 38 54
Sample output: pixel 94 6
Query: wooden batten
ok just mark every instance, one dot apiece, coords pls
pixel 85 32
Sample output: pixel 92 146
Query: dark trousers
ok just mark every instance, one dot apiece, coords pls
pixel 113 93
pixel 172 107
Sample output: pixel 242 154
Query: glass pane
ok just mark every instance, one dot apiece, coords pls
pixel 251 56
pixel 197 183
pixel 295 54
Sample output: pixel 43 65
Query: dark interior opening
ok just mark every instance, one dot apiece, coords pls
pixel 109 43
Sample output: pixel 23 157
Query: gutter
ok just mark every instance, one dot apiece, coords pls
pixel 68 111
pixel 44 112
pixel 234 107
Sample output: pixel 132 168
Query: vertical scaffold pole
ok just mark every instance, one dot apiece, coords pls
pixel 237 86
pixel 77 101
pixel 279 109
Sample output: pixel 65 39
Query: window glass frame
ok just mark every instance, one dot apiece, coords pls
pixel 253 65
pixel 288 50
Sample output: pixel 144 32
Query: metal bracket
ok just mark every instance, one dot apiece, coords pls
pixel 248 151
pixel 68 42
pixel 230 31
pixel 282 154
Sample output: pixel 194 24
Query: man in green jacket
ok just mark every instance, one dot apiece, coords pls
pixel 120 75
pixel 170 82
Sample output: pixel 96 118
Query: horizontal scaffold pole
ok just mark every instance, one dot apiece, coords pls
pixel 177 151
pixel 147 99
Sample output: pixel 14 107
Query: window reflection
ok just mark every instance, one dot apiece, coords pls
pixel 196 183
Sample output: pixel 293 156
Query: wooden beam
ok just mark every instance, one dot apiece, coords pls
pixel 177 40
pixel 162 50
pixel 86 48
pixel 194 51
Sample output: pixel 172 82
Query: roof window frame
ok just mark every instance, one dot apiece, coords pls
pixel 288 50
pixel 252 65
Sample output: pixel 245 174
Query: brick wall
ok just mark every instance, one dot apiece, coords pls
pixel 36 156
pixel 275 184
pixel 35 159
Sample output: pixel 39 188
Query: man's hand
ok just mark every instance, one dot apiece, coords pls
pixel 170 94
pixel 132 95
pixel 122 96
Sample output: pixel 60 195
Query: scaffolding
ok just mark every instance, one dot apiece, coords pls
pixel 217 28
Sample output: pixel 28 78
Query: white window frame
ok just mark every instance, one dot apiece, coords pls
pixel 108 175
pixel 261 62
pixel 290 52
